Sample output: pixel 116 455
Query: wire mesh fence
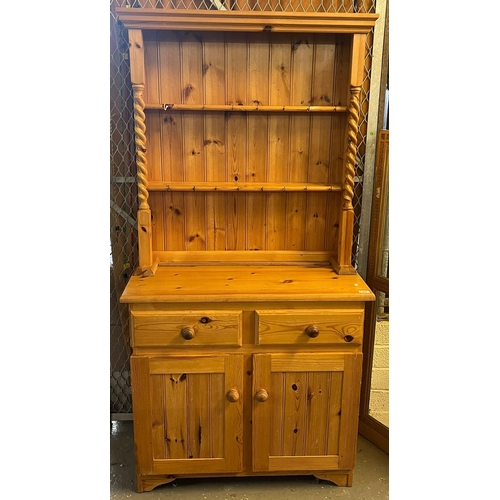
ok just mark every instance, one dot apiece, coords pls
pixel 347 6
pixel 123 204
pixel 123 192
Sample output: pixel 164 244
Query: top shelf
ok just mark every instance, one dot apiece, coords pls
pixel 244 108
pixel 283 22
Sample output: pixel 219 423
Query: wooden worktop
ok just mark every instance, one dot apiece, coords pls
pixel 245 283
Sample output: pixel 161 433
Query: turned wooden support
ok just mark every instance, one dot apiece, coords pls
pixel 342 263
pixel 140 146
pixel 352 141
pixel 137 76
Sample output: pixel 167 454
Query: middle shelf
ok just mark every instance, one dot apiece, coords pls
pixel 256 106
pixel 246 186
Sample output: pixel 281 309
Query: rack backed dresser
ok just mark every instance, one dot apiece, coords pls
pixel 246 313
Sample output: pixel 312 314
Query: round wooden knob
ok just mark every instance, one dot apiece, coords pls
pixel 233 396
pixel 261 395
pixel 312 331
pixel 187 333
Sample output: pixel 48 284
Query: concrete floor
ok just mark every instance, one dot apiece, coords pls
pixel 371 479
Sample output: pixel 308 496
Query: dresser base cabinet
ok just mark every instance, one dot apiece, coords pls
pixel 241 383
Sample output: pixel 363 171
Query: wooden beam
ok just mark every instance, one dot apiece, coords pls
pixel 245 186
pixel 250 108
pixel 291 22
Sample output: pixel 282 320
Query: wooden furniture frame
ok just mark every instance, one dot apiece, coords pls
pixel 246 313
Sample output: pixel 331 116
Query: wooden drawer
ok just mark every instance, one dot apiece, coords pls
pixel 186 328
pixel 344 326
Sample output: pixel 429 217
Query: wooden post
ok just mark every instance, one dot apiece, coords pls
pixel 137 76
pixel 342 265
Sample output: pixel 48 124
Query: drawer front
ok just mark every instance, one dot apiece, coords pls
pixel 339 326
pixel 151 329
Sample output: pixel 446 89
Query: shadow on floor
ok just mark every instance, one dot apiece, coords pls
pixel 371 479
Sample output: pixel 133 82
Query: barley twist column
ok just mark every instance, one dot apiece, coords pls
pixel 352 140
pixel 140 146
pixel 342 263
pixel 138 80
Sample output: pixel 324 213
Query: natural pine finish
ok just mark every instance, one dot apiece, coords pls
pixel 137 76
pixel 294 327
pixel 187 399
pixel 243 108
pixel 306 389
pixel 246 283
pixel 246 315
pixel 300 22
pixel 248 187
pixel 290 155
pixel 342 264
pixel 203 328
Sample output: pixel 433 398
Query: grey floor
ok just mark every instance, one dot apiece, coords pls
pixel 371 478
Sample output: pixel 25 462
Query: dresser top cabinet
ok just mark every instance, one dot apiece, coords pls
pixel 246 314
pixel 246 128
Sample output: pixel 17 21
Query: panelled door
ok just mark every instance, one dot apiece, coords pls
pixel 190 416
pixel 305 411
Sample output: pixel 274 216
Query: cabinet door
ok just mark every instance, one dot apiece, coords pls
pixel 305 411
pixel 188 415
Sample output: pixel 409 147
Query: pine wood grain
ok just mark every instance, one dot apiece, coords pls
pixel 136 50
pixel 175 412
pixel 186 364
pixel 256 283
pixel 249 155
pixel 198 394
pixel 261 415
pixel 303 22
pixel 318 404
pixel 193 152
pixel 300 94
pixel 214 140
pixel 151 53
pixel 258 68
pixel 139 368
pixel 254 108
pixel 303 463
pixel 257 139
pixel 236 204
pixel 219 425
pixel 289 326
pixel 277 390
pixel 350 404
pixel 215 166
pixel 233 412
pixel 259 187
pixel 172 160
pixel 164 328
pixel 278 172
pixel 295 411
pixel 241 150
pixel 265 257
pixel 157 387
pixel 335 412
pixel 307 362
pixel 153 155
